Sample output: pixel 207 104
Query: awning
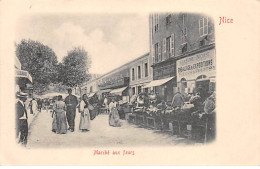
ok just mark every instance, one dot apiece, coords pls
pixel 23 74
pixel 118 91
pixel 103 91
pixel 91 94
pixel 158 82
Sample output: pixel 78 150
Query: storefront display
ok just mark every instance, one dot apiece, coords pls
pixel 196 73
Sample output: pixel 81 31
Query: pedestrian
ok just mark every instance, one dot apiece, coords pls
pixel 105 104
pixel 178 101
pixel 71 104
pixel 114 119
pixel 84 124
pixel 21 118
pixel 39 102
pixel 33 106
pixel 59 124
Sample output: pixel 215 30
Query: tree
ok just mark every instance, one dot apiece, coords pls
pixel 76 66
pixel 40 61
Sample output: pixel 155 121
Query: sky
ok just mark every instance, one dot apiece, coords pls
pixel 111 40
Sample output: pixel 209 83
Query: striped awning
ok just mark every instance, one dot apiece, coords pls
pixel 23 74
pixel 118 90
pixel 158 82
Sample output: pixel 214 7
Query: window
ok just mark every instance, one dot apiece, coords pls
pixel 145 70
pixel 172 45
pixel 168 47
pixel 133 74
pixel 203 26
pixel 156 52
pixel 184 35
pixel 184 48
pixel 184 30
pixel 139 72
pixel 156 22
pixel 133 90
pixel 139 89
pixel 168 19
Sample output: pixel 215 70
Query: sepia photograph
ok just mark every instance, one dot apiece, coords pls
pixel 115 80
pixel 129 83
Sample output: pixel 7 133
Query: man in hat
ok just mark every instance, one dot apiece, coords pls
pixel 71 103
pixel 21 118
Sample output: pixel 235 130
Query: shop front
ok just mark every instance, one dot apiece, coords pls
pixel 23 82
pixel 197 73
pixel 163 87
pixel 161 71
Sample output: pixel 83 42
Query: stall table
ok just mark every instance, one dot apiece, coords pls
pixel 150 119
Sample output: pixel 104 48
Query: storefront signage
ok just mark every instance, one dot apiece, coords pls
pixel 23 74
pixel 199 64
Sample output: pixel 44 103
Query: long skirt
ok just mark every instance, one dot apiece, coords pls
pixel 59 123
pixel 84 123
pixel 114 118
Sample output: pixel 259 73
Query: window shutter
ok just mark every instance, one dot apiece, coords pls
pixel 164 49
pixel 201 27
pixel 172 45
pixel 205 26
pixel 159 52
pixel 153 54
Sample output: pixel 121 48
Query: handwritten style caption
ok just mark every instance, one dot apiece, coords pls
pixel 113 153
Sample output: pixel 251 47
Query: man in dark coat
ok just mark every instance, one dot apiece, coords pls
pixel 21 118
pixel 71 103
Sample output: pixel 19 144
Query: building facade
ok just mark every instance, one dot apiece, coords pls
pixel 174 37
pixel 125 81
pixel 140 75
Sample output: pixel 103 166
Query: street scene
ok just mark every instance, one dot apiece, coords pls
pixel 100 135
pixel 115 80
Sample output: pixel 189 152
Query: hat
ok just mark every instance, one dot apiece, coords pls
pixel 21 94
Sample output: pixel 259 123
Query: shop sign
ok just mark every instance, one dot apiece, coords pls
pixel 199 64
pixel 23 74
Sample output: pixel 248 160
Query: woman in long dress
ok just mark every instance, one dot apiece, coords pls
pixel 114 119
pixel 84 124
pixel 59 124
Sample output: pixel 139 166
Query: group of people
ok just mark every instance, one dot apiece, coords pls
pixel 21 106
pixel 65 112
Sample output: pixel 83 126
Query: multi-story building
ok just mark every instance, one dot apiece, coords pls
pixel 140 75
pixel 182 47
pixel 115 82
pixel 126 80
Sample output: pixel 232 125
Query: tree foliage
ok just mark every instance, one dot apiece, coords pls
pixel 39 60
pixel 75 67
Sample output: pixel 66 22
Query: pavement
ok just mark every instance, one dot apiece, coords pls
pixel 100 134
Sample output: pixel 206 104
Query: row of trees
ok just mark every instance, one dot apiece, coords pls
pixel 41 62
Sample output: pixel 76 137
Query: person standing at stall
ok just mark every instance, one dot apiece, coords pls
pixel 178 101
pixel 84 124
pixel 21 118
pixel 71 102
